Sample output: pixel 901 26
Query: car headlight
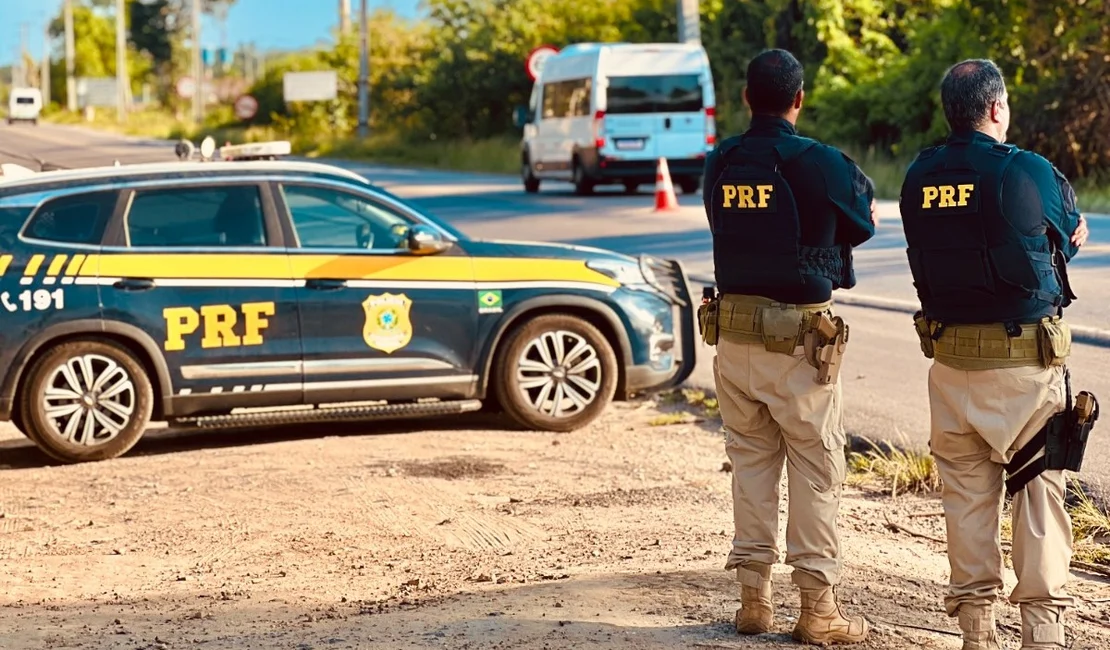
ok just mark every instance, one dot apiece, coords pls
pixel 630 274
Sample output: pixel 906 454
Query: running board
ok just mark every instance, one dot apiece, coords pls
pixel 337 413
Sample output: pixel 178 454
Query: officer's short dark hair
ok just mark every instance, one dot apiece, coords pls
pixel 967 91
pixel 774 79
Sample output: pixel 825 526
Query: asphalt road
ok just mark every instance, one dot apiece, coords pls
pixel 885 390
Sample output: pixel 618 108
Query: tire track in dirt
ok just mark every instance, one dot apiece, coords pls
pixel 427 509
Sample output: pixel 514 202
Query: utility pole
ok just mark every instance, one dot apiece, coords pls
pixel 689 22
pixel 121 63
pixel 198 67
pixel 363 74
pixel 344 17
pixel 24 73
pixel 71 63
pixel 44 76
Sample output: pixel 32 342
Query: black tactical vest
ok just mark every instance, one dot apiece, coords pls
pixel 756 230
pixel 969 264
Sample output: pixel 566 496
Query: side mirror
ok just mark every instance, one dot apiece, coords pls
pixel 520 116
pixel 423 240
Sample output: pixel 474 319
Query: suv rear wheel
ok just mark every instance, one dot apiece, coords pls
pixel 583 186
pixel 689 185
pixel 555 373
pixel 86 401
pixel 531 183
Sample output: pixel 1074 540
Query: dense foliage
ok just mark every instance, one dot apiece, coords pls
pixel 872 66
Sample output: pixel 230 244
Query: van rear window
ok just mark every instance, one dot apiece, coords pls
pixel 24 100
pixel 654 94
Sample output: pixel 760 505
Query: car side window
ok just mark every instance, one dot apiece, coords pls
pixel 197 216
pixel 74 219
pixel 329 218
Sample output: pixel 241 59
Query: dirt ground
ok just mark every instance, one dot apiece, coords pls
pixel 437 534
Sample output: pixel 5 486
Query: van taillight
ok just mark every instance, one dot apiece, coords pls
pixel 599 129
pixel 710 126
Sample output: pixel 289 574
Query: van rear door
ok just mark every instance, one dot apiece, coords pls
pixel 656 116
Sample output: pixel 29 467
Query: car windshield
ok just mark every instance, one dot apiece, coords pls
pixel 24 100
pixel 678 93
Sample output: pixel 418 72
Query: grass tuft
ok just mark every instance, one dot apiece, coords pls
pixel 667 419
pixel 1089 522
pixel 901 470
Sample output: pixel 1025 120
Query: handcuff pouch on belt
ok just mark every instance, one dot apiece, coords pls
pixel 1063 438
pixel 825 341
pixel 780 329
pixel 1053 341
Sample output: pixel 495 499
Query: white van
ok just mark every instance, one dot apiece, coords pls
pixel 24 105
pixel 605 113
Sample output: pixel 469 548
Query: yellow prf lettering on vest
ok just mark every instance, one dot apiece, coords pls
pixel 219 325
pixel 947 195
pixel 746 195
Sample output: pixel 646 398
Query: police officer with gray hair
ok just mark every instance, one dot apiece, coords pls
pixel 785 212
pixel 990 228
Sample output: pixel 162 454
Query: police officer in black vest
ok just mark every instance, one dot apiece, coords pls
pixel 785 212
pixel 990 228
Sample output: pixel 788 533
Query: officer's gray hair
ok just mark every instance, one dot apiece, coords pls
pixel 968 90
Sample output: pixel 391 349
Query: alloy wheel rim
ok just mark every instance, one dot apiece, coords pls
pixel 559 374
pixel 89 400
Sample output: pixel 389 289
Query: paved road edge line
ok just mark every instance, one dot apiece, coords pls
pixel 1079 333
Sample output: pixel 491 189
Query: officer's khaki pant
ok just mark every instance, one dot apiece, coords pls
pixel 774 409
pixel 980 418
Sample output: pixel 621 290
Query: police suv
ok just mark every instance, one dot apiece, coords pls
pixel 252 292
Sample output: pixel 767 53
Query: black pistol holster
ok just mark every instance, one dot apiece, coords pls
pixel 708 319
pixel 1063 438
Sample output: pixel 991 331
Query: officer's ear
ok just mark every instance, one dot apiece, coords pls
pixel 798 100
pixel 746 102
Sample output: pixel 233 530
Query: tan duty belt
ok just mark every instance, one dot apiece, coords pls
pixel 988 346
pixel 755 319
pixel 809 329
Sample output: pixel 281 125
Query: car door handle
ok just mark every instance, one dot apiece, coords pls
pixel 325 285
pixel 134 284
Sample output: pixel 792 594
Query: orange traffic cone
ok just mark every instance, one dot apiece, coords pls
pixel 665 198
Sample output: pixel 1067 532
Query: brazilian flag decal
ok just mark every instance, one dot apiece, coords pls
pixel 489 301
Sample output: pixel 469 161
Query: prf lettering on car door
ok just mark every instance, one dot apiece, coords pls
pixel 224 326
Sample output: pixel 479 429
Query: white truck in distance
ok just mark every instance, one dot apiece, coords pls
pixel 24 105
pixel 605 113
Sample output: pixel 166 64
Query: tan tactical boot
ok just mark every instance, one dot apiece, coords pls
pixel 977 624
pixel 1041 627
pixel 821 621
pixel 756 614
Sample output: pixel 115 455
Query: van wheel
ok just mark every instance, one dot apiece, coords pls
pixel 531 183
pixel 86 401
pixel 555 373
pixel 582 185
pixel 689 185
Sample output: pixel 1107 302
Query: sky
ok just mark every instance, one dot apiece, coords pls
pixel 280 24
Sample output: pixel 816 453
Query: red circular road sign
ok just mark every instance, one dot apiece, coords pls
pixel 536 58
pixel 245 107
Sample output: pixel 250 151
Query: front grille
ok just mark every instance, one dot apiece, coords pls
pixel 670 277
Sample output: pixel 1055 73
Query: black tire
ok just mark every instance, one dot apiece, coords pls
pixel 104 359
pixel 531 183
pixel 583 186
pixel 630 187
pixel 689 185
pixel 518 401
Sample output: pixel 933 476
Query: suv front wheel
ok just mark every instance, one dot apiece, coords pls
pixel 555 373
pixel 86 401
